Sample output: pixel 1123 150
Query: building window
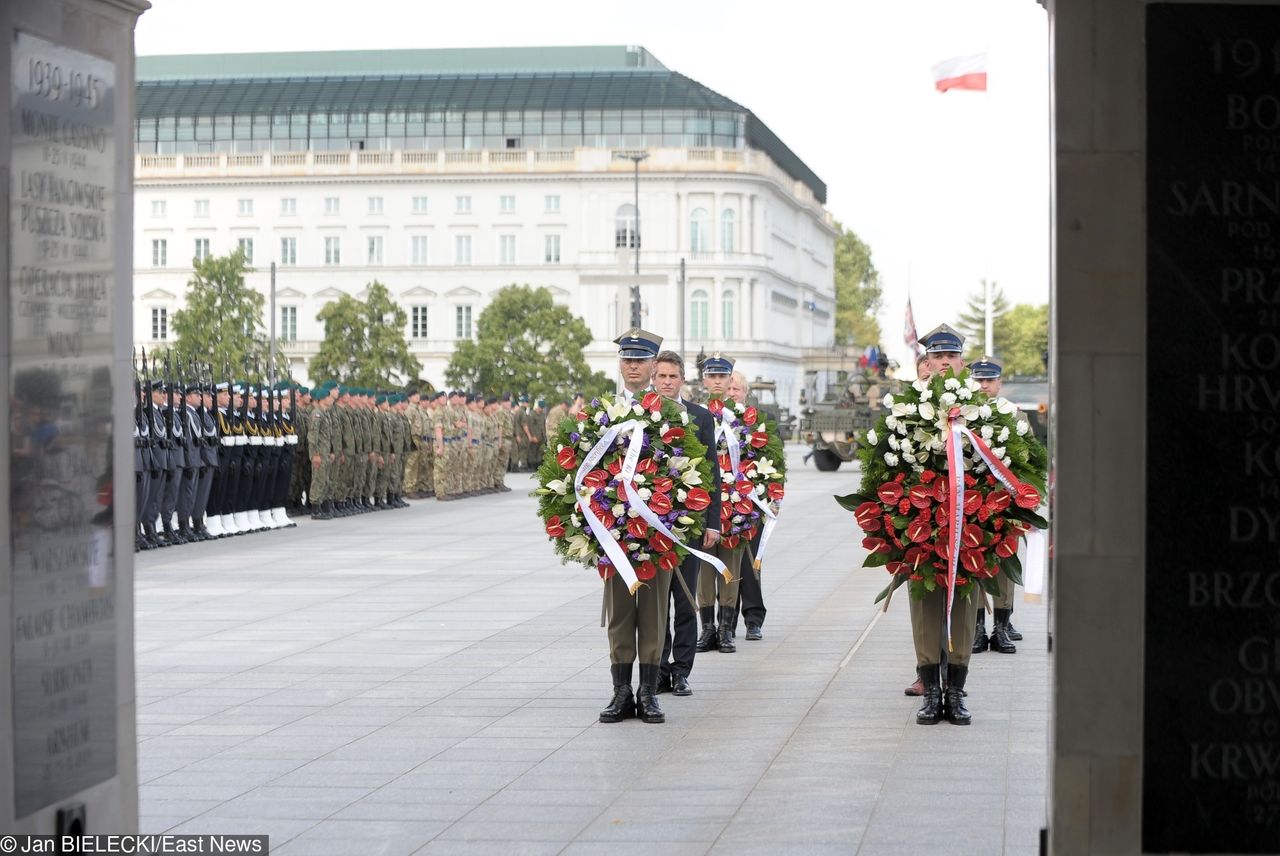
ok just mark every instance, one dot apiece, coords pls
pixel 288 251
pixel 462 250
pixel 626 231
pixel 553 204
pixel 699 231
pixel 333 251
pixel 288 206
pixel 159 208
pixel 507 204
pixel 159 252
pixel 375 204
pixel 506 249
pixel 462 315
pixel 464 205
pixel 418 322
pixel 289 323
pixel 418 249
pixel 246 246
pixel 419 205
pixel 200 208
pixel 728 305
pixel 551 249
pixel 726 230
pixel 202 249
pixel 698 307
pixel 374 256
pixel 332 205
pixel 159 323
pixel 244 207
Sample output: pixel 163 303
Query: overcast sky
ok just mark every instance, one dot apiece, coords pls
pixel 946 188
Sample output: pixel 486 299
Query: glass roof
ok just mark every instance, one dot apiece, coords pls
pixel 606 90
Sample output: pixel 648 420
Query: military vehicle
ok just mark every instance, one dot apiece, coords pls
pixel 1031 395
pixel 765 394
pixel 835 421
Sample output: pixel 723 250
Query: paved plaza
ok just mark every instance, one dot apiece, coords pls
pixel 427 681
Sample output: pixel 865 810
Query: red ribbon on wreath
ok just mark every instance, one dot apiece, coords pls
pixel 1024 495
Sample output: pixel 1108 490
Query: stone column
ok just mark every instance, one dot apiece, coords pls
pixel 1161 701
pixel 68 741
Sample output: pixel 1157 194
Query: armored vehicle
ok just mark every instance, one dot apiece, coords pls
pixel 836 420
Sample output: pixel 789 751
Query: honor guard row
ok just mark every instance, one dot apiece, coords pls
pixel 209 460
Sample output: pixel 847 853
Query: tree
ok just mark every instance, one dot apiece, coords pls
pixel 222 322
pixel 364 342
pixel 972 322
pixel 526 343
pixel 858 291
pixel 1022 339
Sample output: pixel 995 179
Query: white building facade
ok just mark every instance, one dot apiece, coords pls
pixel 444 226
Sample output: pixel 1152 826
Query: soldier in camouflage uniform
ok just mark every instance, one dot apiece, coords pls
pixel 300 474
pixel 449 436
pixel 322 454
pixel 346 483
pixel 413 457
pixel 427 433
pixel 506 442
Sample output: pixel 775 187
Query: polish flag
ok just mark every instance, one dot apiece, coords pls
pixel 961 72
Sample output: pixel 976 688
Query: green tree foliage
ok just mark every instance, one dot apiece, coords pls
pixel 858 291
pixel 222 322
pixel 972 322
pixel 1020 333
pixel 526 343
pixel 364 342
pixel 1022 338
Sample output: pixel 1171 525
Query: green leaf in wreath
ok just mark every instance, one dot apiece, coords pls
pixel 876 560
pixel 892 586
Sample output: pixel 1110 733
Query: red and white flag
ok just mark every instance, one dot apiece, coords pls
pixel 909 330
pixel 961 72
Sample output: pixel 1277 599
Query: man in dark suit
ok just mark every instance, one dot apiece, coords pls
pixel 682 634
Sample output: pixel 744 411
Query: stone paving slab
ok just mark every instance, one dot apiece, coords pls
pixel 427 681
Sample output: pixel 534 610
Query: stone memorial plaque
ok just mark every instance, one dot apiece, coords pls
pixel 60 287
pixel 1211 719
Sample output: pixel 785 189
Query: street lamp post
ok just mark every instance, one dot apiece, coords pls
pixel 635 157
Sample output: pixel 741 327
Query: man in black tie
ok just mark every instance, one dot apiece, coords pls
pixel 682 634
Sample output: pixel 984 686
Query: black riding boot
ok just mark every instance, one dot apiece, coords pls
pixel 931 710
pixel 1014 633
pixel 980 640
pixel 727 619
pixel 647 707
pixel 171 535
pixel 1000 642
pixel 956 712
pixel 623 705
pixel 710 637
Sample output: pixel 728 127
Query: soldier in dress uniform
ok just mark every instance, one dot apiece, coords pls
pixel 717 372
pixel 681 638
pixel 209 448
pixel 143 464
pixel 750 594
pixel 637 622
pixel 943 694
pixel 989 372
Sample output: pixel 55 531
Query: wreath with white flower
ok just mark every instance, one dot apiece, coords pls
pixel 582 490
pixel 904 503
pixel 761 469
